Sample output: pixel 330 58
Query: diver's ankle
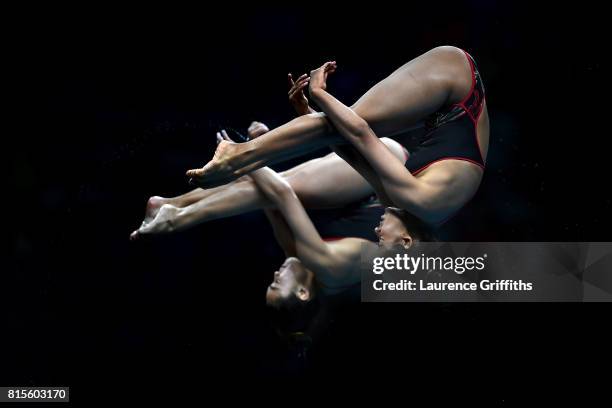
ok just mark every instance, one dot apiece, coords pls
pixel 188 217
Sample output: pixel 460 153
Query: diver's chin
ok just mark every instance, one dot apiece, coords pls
pixel 390 245
pixel 384 244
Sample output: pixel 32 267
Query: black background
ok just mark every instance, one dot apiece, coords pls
pixel 114 105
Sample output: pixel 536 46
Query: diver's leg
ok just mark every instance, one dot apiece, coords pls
pixel 154 203
pixel 327 182
pixel 398 102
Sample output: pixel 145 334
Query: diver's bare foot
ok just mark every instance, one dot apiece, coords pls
pixel 222 168
pixel 153 205
pixel 163 223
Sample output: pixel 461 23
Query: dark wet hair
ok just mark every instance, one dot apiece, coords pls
pixel 299 324
pixel 294 314
pixel 419 229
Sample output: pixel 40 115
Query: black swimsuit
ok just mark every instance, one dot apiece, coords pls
pixel 357 220
pixel 451 132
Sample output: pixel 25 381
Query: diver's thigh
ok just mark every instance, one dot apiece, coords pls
pixel 415 90
pixel 327 182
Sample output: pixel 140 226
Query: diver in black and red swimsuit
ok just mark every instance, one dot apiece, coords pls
pixel 451 132
pixel 440 91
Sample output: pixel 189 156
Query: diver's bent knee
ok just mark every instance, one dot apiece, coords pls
pixel 396 148
pixel 447 49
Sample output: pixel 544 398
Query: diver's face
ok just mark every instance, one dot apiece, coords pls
pixel 391 231
pixel 285 282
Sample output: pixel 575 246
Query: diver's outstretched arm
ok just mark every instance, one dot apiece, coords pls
pixel 334 266
pixel 309 246
pixel 282 232
pixel 292 226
